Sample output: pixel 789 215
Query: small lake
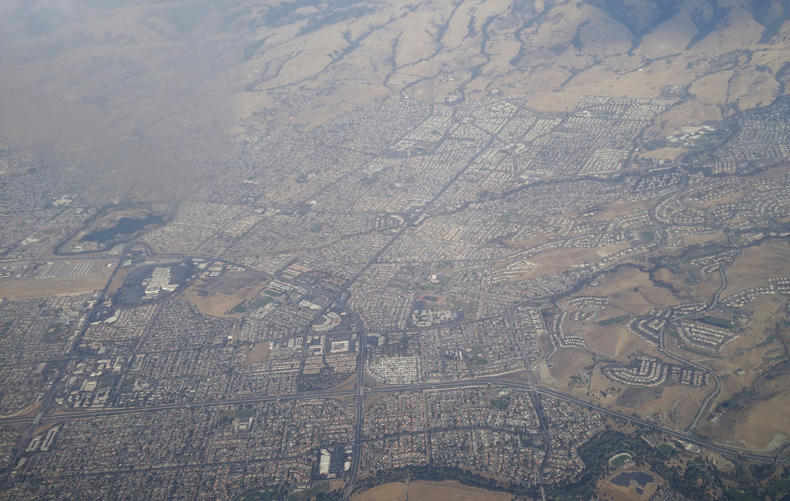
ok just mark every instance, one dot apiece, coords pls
pixel 123 226
pixel 626 477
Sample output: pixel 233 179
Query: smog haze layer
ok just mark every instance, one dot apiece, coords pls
pixel 428 249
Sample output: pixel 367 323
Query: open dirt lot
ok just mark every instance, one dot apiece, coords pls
pixel 216 297
pixel 565 363
pixel 258 354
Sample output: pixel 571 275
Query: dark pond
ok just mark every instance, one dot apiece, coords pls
pixel 123 226
pixel 626 477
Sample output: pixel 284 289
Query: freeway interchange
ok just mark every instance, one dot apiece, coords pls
pixel 362 391
pixel 686 436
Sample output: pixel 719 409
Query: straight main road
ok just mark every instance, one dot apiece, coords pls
pixel 428 386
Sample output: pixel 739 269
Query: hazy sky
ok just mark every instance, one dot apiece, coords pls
pixel 114 89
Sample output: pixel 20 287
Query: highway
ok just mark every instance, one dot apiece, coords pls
pixel 725 450
pixel 544 429
pixel 533 388
pixel 717 390
pixel 358 393
pixel 704 406
pixel 117 411
pixel 49 396
pixel 432 386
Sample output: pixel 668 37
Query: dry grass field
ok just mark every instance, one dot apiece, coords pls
pixel 765 425
pixel 218 296
pixel 754 372
pixel 18 290
pixel 565 363
pixel 451 490
pixel 307 69
pixel 32 288
pixel 631 290
pixel 393 491
pixel 421 490
pixel 757 265
pixel 701 291
pixel 562 259
pixel 614 341
pixel 758 420
pixel 673 405
pixel 258 354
